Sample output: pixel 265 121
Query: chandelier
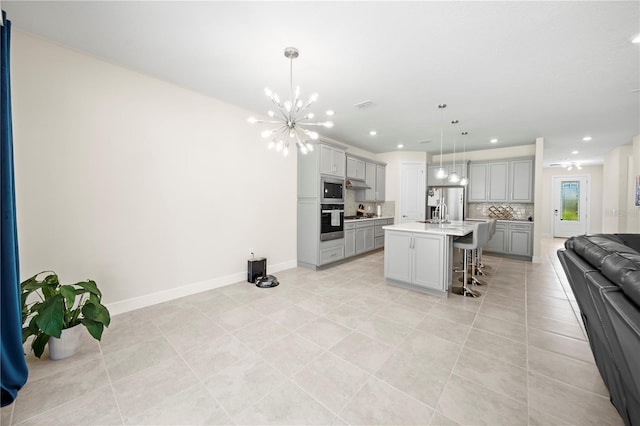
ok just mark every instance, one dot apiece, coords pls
pixel 289 116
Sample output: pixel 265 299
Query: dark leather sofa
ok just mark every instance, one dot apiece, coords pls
pixel 604 273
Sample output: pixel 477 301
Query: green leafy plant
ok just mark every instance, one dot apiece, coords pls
pixel 58 307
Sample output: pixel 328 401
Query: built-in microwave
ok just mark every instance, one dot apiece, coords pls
pixel 332 190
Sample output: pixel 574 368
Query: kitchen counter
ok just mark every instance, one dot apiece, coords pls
pixel 419 256
pixel 367 219
pixel 500 220
pixel 456 228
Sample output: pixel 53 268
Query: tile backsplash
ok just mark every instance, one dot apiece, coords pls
pixel 521 211
pixel 351 205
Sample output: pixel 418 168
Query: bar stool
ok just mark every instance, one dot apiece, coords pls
pixel 481 266
pixel 482 239
pixel 467 243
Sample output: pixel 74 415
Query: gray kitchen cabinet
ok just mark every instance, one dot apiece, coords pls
pixel 331 251
pixel 380 182
pixel 332 161
pixel 379 232
pixel 370 179
pixel 365 236
pixel 498 242
pixel 355 168
pixel 521 179
pixel 501 181
pixel 498 182
pixel 349 239
pixel 512 238
pixel 520 239
pixel 477 191
pixel 415 258
pixel 375 178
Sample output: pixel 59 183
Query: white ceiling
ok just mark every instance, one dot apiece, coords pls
pixel 507 70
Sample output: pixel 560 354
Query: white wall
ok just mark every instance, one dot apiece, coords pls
pixel 142 185
pixel 614 199
pixel 633 222
pixel 490 154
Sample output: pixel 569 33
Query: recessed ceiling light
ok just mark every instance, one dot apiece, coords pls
pixel 400 146
pixel 329 112
pixel 494 140
pixel 635 39
pixel 373 133
pixel 575 152
pixel 587 138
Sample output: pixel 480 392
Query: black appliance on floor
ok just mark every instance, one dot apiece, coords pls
pixel 257 273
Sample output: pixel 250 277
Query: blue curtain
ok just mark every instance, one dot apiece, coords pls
pixel 13 365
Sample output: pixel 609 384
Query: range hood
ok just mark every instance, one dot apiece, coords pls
pixel 357 184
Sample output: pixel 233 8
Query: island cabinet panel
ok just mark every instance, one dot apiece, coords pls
pixel 416 259
pixel 427 261
pixel 397 259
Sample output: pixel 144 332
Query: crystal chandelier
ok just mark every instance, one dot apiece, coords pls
pixel 454 177
pixel 290 116
pixel 441 173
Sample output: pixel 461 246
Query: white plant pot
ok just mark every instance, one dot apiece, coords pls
pixel 68 343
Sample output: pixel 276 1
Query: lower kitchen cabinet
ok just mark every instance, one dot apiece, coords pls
pixel 349 239
pixel 415 258
pixel 364 236
pixel 512 238
pixel 331 251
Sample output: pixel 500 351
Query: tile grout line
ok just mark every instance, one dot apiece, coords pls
pixel 462 346
pixel 113 390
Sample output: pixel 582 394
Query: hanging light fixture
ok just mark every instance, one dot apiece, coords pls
pixel 463 180
pixel 441 173
pixel 454 177
pixel 290 116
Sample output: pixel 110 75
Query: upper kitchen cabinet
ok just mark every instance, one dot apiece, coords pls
pixel 374 177
pixel 380 185
pixel 450 168
pixel 501 181
pixel 521 178
pixel 355 168
pixel 332 161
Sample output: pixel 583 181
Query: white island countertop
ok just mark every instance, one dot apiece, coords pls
pixel 457 228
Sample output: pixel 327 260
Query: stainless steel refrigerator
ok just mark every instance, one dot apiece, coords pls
pixel 453 197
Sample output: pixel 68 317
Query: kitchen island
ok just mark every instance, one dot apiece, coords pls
pixel 419 256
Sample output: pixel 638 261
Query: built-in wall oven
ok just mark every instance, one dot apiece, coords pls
pixel 331 221
pixel 332 190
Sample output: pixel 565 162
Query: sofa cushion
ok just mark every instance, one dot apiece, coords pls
pixel 595 248
pixel 623 269
pixel 631 240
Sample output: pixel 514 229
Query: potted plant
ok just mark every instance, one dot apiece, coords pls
pixel 57 311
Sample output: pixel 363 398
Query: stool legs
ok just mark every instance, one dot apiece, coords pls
pixel 465 290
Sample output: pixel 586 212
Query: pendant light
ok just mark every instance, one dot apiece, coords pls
pixel 441 173
pixel 454 177
pixel 463 180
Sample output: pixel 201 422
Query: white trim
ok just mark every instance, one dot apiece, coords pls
pixel 127 305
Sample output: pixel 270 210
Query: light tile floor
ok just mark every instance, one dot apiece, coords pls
pixel 337 346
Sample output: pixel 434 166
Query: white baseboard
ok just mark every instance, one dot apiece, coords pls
pixel 134 303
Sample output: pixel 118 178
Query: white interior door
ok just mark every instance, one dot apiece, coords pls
pixel 413 192
pixel 570 205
